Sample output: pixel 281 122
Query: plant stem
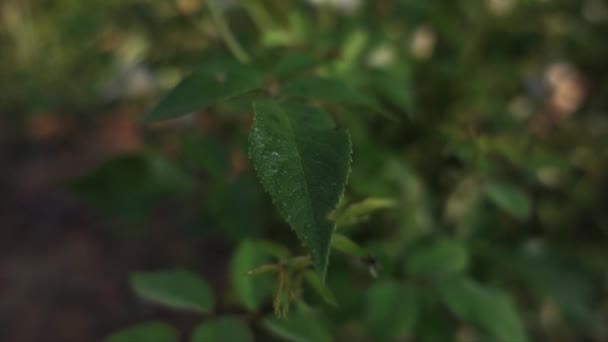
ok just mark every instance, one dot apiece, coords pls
pixel 227 35
pixel 258 17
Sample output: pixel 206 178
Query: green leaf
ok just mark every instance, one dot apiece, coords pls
pixel 396 88
pixel 300 326
pixel 552 275
pixel 440 257
pixel 358 212
pixel 149 332
pixel 222 330
pixel 274 249
pixel 354 46
pixel 294 64
pixel 509 198
pixel 303 161
pixel 177 289
pixel 205 87
pixel 251 290
pixel 391 311
pixel 328 90
pixel 489 309
pixel 347 246
pixel 321 288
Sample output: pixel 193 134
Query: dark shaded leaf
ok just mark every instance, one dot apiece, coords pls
pixel 148 332
pixel 509 198
pixel 205 87
pixel 176 289
pixel 225 329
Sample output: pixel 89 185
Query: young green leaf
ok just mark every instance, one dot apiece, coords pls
pixel 251 290
pixel 205 87
pixel 175 288
pixel 353 48
pixel 149 332
pixel 222 330
pixel 509 198
pixel 391 311
pixel 491 310
pixel 442 256
pixel 358 212
pixel 347 246
pixel 303 161
pixel 321 288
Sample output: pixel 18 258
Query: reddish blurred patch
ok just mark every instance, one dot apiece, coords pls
pixel 119 133
pixel 47 126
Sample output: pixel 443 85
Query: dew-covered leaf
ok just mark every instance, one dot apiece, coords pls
pixel 303 162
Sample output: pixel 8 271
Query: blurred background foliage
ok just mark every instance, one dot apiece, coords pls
pixel 493 152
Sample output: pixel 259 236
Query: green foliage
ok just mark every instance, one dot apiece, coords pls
pixel 221 330
pixel 251 290
pixel 390 311
pixel 490 309
pixel 300 326
pixel 345 245
pixel 328 90
pixel 131 184
pixel 497 174
pixel 204 88
pixel 358 212
pixel 303 162
pixel 149 332
pixel 294 65
pixel 439 258
pixel 242 195
pixel 177 289
pixel 205 154
pixel 321 288
pixel 510 199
